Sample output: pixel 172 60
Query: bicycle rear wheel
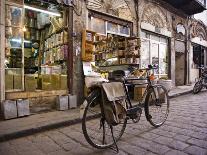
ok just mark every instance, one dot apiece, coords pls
pixel 95 128
pixel 157 105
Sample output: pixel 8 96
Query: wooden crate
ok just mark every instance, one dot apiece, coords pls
pixel 138 93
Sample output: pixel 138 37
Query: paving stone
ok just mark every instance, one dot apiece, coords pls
pixel 131 149
pixel 178 145
pixel 175 152
pixel 8 152
pixel 163 140
pixel 197 142
pixel 48 147
pixel 149 135
pixel 181 137
pixel 61 152
pixel 194 150
pixel 31 152
pixel 58 137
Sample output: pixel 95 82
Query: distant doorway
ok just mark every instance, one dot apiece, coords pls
pixel 180 63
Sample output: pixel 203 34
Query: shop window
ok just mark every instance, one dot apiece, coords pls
pixel 97 25
pixel 105 27
pixel 36 49
pixel 112 28
pixel 154 50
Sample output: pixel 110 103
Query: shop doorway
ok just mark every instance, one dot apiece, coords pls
pixel 199 56
pixel 180 63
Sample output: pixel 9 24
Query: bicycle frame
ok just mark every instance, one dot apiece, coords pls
pixel 149 85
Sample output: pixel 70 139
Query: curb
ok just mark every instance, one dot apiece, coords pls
pixel 180 94
pixel 39 129
pixel 31 131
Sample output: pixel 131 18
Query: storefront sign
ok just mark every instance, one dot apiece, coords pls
pixel 152 28
pixel 197 40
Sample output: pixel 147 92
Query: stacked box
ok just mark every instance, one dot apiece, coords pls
pixel 17 81
pixel 72 101
pixel 9 108
pixel 63 82
pixel 46 82
pixel 55 81
pixel 62 102
pixel 138 93
pixel 23 107
pixel 30 83
pixel 9 78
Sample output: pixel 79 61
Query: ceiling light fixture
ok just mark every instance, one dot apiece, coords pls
pixel 43 11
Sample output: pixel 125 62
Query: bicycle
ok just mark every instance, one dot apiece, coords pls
pixel 101 135
pixel 202 81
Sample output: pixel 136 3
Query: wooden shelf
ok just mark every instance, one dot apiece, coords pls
pixel 56 32
pixel 13 26
pixel 121 65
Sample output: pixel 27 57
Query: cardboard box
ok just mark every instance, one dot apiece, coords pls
pixel 9 108
pixel 138 93
pixel 72 101
pixel 55 81
pixel 17 81
pixel 62 102
pixel 9 79
pixel 30 83
pixel 23 107
pixel 63 82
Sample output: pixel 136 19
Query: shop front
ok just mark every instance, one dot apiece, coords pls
pixel 155 38
pixel 198 49
pixel 36 52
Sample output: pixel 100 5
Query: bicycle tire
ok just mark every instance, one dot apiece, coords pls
pixel 87 125
pixel 152 102
pixel 197 87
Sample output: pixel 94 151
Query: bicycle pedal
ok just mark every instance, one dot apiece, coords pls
pixel 134 112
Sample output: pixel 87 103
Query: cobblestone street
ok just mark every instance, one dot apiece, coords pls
pixel 185 132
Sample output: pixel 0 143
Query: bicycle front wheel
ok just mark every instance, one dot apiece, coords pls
pixel 157 105
pixel 96 130
pixel 197 87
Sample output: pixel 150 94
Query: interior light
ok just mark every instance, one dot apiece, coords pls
pixel 24 29
pixel 43 11
pixel 27 41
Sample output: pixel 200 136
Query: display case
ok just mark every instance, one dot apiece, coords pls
pixel 14 52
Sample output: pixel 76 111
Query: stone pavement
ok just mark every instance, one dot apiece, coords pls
pixel 40 122
pixel 184 133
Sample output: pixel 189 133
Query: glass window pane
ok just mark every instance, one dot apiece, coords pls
pixel 98 25
pixel 112 28
pixel 154 55
pixel 145 54
pixel 13 16
pixel 124 30
pixel 163 56
pixel 163 40
pixel 156 38
pixel 144 34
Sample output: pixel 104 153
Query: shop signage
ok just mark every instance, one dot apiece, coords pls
pixel 197 40
pixel 152 28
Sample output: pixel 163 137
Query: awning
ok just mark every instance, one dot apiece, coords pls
pixel 190 7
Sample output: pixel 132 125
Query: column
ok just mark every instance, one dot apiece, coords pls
pixel 2 50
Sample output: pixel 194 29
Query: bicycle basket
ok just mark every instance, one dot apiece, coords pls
pixel 114 102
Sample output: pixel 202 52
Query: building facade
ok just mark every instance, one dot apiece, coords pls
pixel 164 31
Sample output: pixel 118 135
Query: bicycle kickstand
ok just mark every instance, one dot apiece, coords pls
pixel 116 147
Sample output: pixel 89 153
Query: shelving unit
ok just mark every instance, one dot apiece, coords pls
pixel 14 52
